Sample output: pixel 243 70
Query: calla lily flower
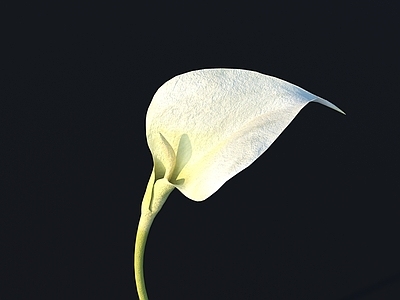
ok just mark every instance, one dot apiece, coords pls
pixel 204 127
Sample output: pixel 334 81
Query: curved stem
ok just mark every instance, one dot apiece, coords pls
pixel 140 245
pixel 156 194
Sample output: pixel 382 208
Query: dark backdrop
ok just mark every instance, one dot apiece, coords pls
pixel 316 217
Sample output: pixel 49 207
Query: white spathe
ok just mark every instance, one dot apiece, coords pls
pixel 205 126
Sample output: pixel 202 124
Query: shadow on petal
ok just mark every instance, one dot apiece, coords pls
pixel 183 155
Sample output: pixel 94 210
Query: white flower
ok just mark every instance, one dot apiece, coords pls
pixel 203 127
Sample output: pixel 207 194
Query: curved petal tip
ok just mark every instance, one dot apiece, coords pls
pixel 329 104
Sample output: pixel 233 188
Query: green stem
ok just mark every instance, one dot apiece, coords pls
pixel 156 194
pixel 140 245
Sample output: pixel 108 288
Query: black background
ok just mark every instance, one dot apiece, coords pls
pixel 315 217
